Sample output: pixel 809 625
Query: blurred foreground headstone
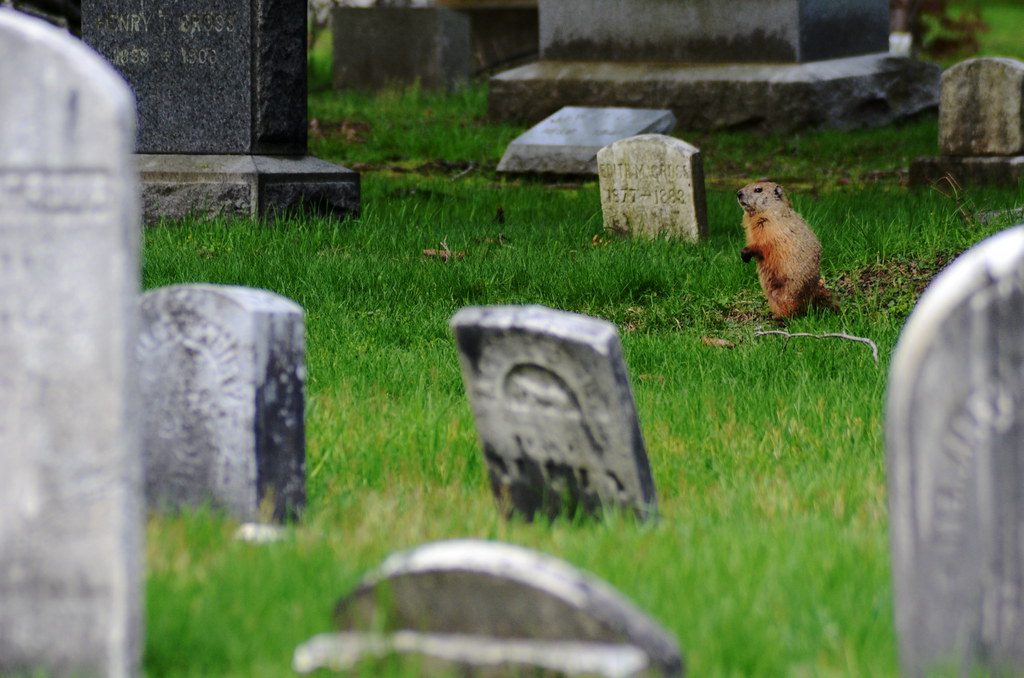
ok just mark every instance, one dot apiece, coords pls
pixel 955 448
pixel 492 609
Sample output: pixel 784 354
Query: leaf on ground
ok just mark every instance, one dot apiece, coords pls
pixel 718 342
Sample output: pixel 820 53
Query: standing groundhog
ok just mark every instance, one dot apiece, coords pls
pixel 788 253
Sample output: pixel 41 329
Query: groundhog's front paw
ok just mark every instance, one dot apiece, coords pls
pixel 748 253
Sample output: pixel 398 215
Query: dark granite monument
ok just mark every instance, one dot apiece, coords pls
pixel 761 64
pixel 221 95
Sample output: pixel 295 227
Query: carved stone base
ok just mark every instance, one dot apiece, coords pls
pixel 175 186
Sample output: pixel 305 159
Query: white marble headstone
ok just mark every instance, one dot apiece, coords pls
pixel 554 409
pixel 955 449
pixel 652 185
pixel 567 142
pixel 71 514
pixel 223 374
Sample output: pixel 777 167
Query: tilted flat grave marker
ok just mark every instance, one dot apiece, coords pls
pixel 209 78
pixel 653 185
pixel 568 141
pixel 70 490
pixel 554 410
pixel 954 436
pixel 223 374
pixel 478 603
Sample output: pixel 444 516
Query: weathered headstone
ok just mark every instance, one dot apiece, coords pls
pixel 216 86
pixel 770 65
pixel 956 468
pixel 981 125
pixel 70 489
pixel 435 47
pixel 223 373
pixel 478 603
pixel 653 185
pixel 554 410
pixel 568 141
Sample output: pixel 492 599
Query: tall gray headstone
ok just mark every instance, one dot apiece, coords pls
pixel 554 410
pixel 757 64
pixel 70 495
pixel 568 141
pixel 955 448
pixel 652 185
pixel 981 125
pixel 221 92
pixel 223 374
pixel 474 592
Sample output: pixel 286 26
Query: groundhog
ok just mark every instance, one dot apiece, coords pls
pixel 787 251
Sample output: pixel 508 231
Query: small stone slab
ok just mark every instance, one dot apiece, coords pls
pixel 981 110
pixel 473 655
pixel 554 409
pixel 652 185
pixel 954 435
pixel 223 373
pixel 504 592
pixel 71 533
pixel 568 141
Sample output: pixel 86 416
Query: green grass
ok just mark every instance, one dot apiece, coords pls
pixel 770 557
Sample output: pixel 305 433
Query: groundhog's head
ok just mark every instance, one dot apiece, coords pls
pixel 761 196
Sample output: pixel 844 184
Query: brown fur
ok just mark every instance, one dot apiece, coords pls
pixel 788 253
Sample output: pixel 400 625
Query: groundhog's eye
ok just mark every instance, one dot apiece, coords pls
pixel 758 189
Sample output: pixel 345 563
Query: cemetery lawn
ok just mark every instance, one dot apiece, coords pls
pixel 770 556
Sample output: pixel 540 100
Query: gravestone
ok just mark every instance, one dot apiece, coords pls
pixel 568 141
pixel 70 496
pixel 221 95
pixel 954 445
pixel 779 65
pixel 222 373
pixel 502 32
pixel 653 185
pixel 494 603
pixel 554 410
pixel 981 125
pixel 435 47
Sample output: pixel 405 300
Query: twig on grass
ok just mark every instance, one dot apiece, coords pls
pixel 833 335
pixel 472 166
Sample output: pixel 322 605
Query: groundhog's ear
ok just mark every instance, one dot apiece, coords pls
pixel 778 191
